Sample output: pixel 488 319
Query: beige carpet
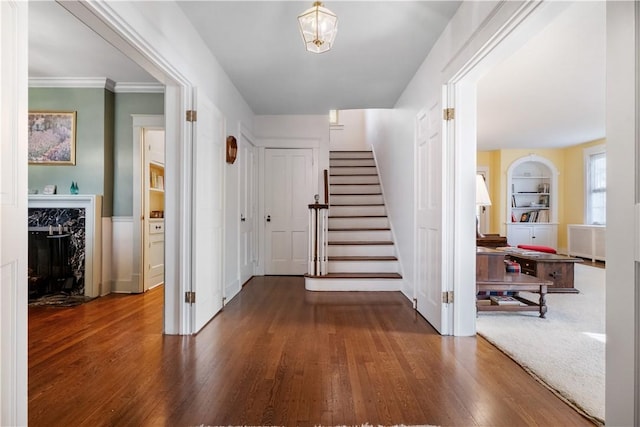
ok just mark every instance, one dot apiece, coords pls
pixel 566 351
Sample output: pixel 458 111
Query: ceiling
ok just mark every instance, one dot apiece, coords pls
pixel 550 93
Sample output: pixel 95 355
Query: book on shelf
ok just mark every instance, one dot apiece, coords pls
pixel 505 300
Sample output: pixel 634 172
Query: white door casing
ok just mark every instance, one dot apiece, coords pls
pixel 207 203
pixel 13 213
pixel 248 208
pixel 428 201
pixel 288 192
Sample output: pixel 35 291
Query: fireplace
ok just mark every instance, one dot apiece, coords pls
pixel 50 269
pixel 65 245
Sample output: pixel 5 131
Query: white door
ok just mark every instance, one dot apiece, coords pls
pixel 153 236
pixel 13 213
pixel 207 202
pixel 289 190
pixel 429 170
pixel 247 198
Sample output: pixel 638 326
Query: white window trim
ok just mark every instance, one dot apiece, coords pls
pixel 587 153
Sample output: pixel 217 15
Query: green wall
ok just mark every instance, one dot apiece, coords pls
pixel 91 158
pixel 126 105
pixel 104 143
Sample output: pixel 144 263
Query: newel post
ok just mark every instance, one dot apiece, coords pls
pixel 318 229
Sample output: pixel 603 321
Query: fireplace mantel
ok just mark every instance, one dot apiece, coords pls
pixel 92 204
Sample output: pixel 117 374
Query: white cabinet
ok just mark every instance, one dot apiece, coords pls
pixel 532 234
pixel 532 184
pixel 155 273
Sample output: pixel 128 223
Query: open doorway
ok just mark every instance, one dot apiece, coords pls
pixel 544 135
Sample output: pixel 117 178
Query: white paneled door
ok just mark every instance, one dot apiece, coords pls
pixel 288 192
pixel 13 213
pixel 208 166
pixel 429 161
pixel 248 209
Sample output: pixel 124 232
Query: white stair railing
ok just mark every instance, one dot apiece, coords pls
pixel 318 237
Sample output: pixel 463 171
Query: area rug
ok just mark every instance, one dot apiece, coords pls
pixel 59 300
pixel 565 351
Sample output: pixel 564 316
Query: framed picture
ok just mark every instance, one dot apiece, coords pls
pixel 52 138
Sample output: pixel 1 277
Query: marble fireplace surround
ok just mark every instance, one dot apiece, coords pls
pixel 92 204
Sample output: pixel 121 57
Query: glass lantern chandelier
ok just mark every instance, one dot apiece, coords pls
pixel 318 27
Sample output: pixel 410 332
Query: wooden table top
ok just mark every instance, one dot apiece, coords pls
pixel 538 256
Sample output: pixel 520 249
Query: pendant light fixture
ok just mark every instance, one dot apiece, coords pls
pixel 318 27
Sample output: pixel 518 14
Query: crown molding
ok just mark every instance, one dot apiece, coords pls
pixel 96 83
pixel 139 88
pixel 75 82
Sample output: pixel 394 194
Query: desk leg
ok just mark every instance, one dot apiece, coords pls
pixel 543 302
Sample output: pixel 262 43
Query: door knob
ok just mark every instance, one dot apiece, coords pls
pixel 242 218
pixel 268 218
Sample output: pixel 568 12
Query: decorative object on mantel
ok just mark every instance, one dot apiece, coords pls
pixel 74 188
pixel 318 27
pixel 52 137
pixel 232 149
pixel 49 189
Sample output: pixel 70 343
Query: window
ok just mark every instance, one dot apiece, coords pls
pixel 333 117
pixel 596 185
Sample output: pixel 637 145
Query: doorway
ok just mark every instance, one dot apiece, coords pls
pixel 148 202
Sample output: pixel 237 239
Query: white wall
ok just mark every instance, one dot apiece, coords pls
pixel 391 132
pixel 161 39
pixel 621 238
pixel 392 143
pixel 286 130
pixel 349 134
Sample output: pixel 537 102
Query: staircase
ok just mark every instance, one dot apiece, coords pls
pixel 361 252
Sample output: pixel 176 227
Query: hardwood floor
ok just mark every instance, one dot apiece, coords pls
pixel 276 355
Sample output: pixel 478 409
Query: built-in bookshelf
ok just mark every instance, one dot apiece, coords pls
pixel 532 202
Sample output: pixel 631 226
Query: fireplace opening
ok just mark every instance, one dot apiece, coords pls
pixel 50 269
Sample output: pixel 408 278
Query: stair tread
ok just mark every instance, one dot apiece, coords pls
pixel 352 166
pixel 360 276
pixel 357 216
pixel 355 194
pixel 353 183
pixel 363 258
pixel 355 174
pixel 361 229
pixel 360 242
pixel 363 204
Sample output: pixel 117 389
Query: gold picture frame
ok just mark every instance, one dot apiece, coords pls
pixel 52 138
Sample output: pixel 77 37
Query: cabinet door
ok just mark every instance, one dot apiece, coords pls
pixel 544 235
pixel 520 235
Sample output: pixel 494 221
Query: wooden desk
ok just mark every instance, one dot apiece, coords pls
pixel 553 267
pixel 516 282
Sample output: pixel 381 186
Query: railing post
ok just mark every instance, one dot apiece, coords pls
pixel 317 239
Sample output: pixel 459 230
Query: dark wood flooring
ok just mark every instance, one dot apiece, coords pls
pixel 276 355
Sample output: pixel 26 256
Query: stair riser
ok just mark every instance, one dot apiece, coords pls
pixel 351 162
pixel 354 171
pixel 356 210
pixel 356 236
pixel 351 155
pixel 360 250
pixel 356 199
pixel 354 189
pixel 352 285
pixel 363 267
pixel 356 222
pixel 354 179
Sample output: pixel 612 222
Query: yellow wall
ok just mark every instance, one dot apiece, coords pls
pixel 570 164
